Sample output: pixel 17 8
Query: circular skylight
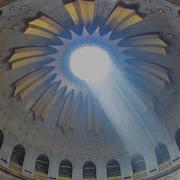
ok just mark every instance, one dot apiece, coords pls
pixel 90 63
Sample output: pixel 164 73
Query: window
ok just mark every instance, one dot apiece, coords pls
pixel 138 163
pixel 89 170
pixel 1 138
pixel 42 164
pixel 17 158
pixel 113 169
pixel 65 169
pixel 177 137
pixel 18 155
pixel 162 153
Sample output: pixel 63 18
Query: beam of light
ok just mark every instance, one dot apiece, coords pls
pixel 86 63
pixel 137 126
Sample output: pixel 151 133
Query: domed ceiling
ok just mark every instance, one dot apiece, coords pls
pixel 48 109
pixel 45 69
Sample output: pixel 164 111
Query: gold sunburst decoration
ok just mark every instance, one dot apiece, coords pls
pixel 51 86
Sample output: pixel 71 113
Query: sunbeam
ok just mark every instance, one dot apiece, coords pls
pixel 128 112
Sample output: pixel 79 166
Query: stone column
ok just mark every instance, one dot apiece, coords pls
pixel 125 165
pixel 174 152
pixel 29 163
pixel 5 153
pixel 77 170
pixel 53 167
pixel 101 170
pixel 151 162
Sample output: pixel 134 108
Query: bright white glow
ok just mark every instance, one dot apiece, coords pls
pixel 90 63
pixel 129 112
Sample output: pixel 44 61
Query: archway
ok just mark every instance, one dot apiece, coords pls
pixel 113 170
pixel 139 166
pixel 163 156
pixel 89 171
pixel 17 158
pixel 42 167
pixel 65 170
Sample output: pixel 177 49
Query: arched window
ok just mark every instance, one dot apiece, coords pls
pixel 1 138
pixel 89 170
pixel 17 158
pixel 65 169
pixel 138 163
pixel 42 166
pixel 139 166
pixel 113 169
pixel 177 137
pixel 163 157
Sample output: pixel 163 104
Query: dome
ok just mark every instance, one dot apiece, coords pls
pixel 89 89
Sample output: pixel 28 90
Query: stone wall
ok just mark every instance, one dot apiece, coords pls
pixel 177 2
pixel 5 176
pixel 172 175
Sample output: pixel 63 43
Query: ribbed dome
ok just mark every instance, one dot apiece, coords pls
pixel 42 73
pixel 128 122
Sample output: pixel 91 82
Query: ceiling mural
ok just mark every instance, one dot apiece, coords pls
pixel 47 67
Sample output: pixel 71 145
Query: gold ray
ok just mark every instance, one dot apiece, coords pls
pixel 70 7
pixel 87 10
pixel 44 27
pixel 28 52
pixel 51 105
pixel 119 15
pixel 28 80
pixel 154 69
pixel 39 32
pixel 151 49
pixel 28 61
pixel 47 24
pixel 44 100
pixel 29 90
pixel 129 22
pixel 152 39
pixel 65 111
pixel 158 81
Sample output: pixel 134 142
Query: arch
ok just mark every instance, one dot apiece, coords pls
pixel 42 167
pixel 138 166
pixel 89 170
pixel 65 169
pixel 18 155
pixel 17 158
pixel 113 169
pixel 162 156
pixel 1 138
pixel 177 138
pixel 138 163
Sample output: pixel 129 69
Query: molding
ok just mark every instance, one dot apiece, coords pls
pixel 12 173
pixel 157 176
pixel 164 173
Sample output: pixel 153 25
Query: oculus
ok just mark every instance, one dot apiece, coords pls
pixel 90 63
